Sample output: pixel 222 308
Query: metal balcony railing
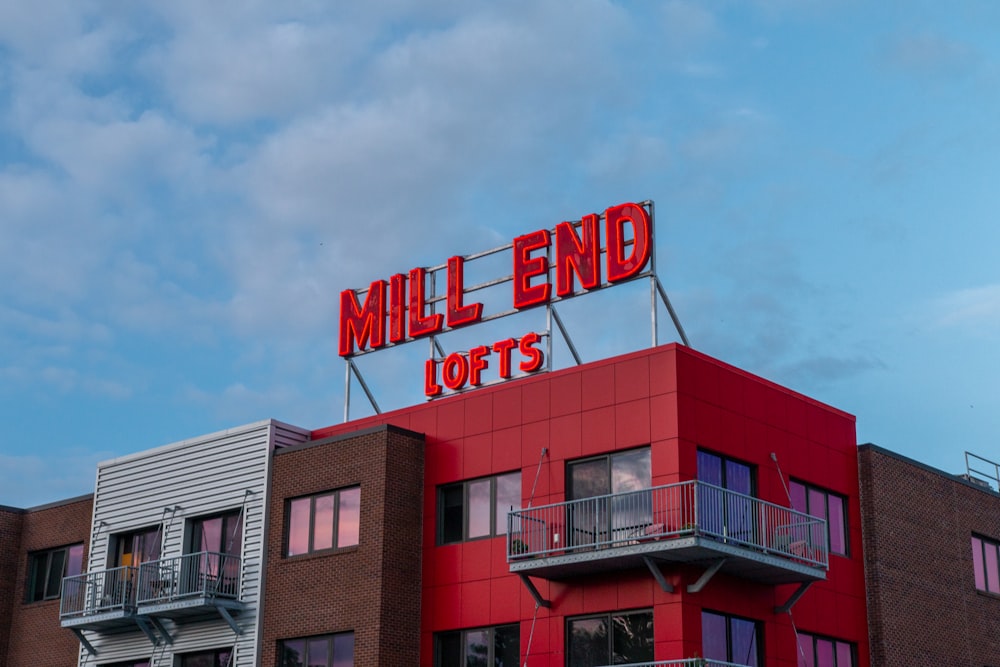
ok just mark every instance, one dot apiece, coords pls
pixel 206 574
pixel 685 509
pixel 101 592
pixel 687 662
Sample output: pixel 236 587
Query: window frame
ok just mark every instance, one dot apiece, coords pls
pixel 36 557
pixel 495 530
pixel 608 617
pixel 312 498
pixel 808 487
pixel 439 637
pixel 116 545
pixel 215 653
pixel 331 642
pixel 990 571
pixel 758 629
pixel 815 639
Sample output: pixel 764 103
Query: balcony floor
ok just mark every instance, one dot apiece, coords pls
pixel 741 561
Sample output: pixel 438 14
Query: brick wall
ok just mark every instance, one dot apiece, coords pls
pixel 372 589
pixel 36 637
pixel 923 606
pixel 10 545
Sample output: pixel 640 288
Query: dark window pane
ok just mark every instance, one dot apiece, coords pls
pixel 298 526
pixel 74 562
pixel 343 649
pixel 39 569
pixel 452 502
pixel 992 574
pixel 824 653
pixel 449 650
pixel 57 560
pixel 709 468
pixel 508 495
pixel 744 641
pixel 977 563
pixel 477 648
pixel 480 510
pixel 631 471
pixel 323 522
pixel 845 656
pixel 317 650
pixel 589 478
pixel 507 645
pixel 588 642
pixel 713 636
pixel 632 638
pixel 798 493
pixel 806 658
pixel 838 538
pixel 293 653
pixel 349 518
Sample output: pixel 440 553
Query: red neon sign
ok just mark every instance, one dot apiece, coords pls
pixel 399 310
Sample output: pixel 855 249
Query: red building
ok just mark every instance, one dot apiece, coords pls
pixel 650 496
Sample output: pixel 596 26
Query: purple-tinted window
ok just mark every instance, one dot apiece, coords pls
pixel 825 505
pixel 992 579
pixel 977 563
pixel 47 569
pixel 477 508
pixel 815 651
pixel 324 522
pixel 729 638
pixel 323 651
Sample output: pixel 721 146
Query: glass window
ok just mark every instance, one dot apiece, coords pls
pixel 826 505
pixel 985 564
pixel 222 534
pixel 136 547
pixel 129 663
pixel 322 651
pixel 477 508
pixel 324 522
pixel 498 646
pixel 816 651
pixel 610 639
pixel 619 484
pixel 730 639
pixel 215 658
pixel 722 513
pixel 46 570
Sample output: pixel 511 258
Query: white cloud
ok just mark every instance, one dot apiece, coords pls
pixel 974 309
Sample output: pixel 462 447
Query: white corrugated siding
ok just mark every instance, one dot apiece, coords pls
pixel 205 475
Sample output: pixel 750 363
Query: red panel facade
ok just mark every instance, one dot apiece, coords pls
pixel 677 402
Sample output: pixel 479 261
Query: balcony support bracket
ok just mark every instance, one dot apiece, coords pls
pixel 158 624
pixel 83 640
pixel 539 600
pixel 787 607
pixel 228 618
pixel 147 630
pixel 706 577
pixel 658 575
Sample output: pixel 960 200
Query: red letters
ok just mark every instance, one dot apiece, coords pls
pixel 525 267
pixel 420 324
pixel 621 267
pixel 457 313
pixel 460 369
pixel 397 308
pixel 365 326
pixel 579 255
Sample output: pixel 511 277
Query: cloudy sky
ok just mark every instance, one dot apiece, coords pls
pixel 186 187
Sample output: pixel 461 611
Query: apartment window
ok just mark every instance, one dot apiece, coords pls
pixel 136 547
pixel 216 658
pixel 614 480
pixel 815 651
pixel 731 639
pixel 129 663
pixel 498 646
pixel 477 508
pixel 222 533
pixel 324 522
pixel 46 570
pixel 826 505
pixel 322 651
pixel 984 564
pixel 728 512
pixel 610 639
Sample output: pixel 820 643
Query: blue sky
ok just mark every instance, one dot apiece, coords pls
pixel 186 187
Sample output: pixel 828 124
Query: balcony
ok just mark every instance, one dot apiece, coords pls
pixel 691 523
pixel 185 588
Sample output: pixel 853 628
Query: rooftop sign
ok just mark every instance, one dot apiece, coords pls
pixel 547 266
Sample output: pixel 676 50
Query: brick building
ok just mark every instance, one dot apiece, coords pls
pixel 931 552
pixel 661 505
